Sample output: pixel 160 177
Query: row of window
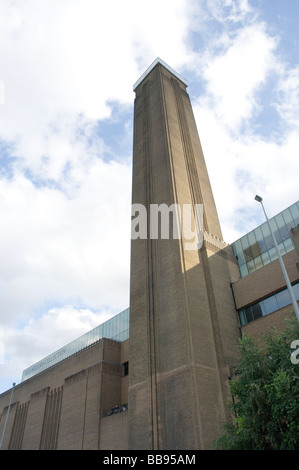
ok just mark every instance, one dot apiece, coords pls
pixel 256 249
pixel 270 304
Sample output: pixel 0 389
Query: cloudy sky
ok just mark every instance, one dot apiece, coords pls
pixel 67 69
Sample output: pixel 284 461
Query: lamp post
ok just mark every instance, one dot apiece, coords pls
pixel 284 271
pixel 4 429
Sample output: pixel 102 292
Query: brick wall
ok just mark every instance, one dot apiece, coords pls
pixel 265 281
pixel 61 408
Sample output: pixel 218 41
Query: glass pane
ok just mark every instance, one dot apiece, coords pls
pixel 248 314
pixel 283 298
pixel 266 258
pixel 263 307
pixel 289 221
pixel 246 249
pixel 238 250
pixel 243 319
pixel 267 236
pixel 255 247
pixel 283 229
pixel 251 266
pixel 270 304
pixel 273 254
pixel 289 245
pixel 296 291
pixel 258 262
pixel 243 270
pixel 282 249
pixel 260 239
pixel 294 210
pixel 275 231
pixel 256 311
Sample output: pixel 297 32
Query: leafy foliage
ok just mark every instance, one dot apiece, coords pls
pixel 265 395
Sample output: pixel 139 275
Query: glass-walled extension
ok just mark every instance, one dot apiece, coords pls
pixel 256 249
pixel 116 328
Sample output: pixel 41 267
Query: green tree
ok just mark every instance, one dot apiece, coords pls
pixel 265 394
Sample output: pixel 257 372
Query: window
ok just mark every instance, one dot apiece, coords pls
pixel 270 304
pixel 264 307
pixel 256 249
pixel 126 368
pixel 283 298
pixel 294 210
pixel 256 311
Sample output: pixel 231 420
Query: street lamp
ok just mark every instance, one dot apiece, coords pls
pixel 285 274
pixel 4 429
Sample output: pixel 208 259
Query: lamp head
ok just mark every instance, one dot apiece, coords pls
pixel 258 198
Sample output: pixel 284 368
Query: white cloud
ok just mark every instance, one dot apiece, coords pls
pixel 64 59
pixel 245 165
pixel 235 75
pixel 229 10
pixel 237 69
pixel 288 89
pixel 61 247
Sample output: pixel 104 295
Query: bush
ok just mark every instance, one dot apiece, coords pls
pixel 265 395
